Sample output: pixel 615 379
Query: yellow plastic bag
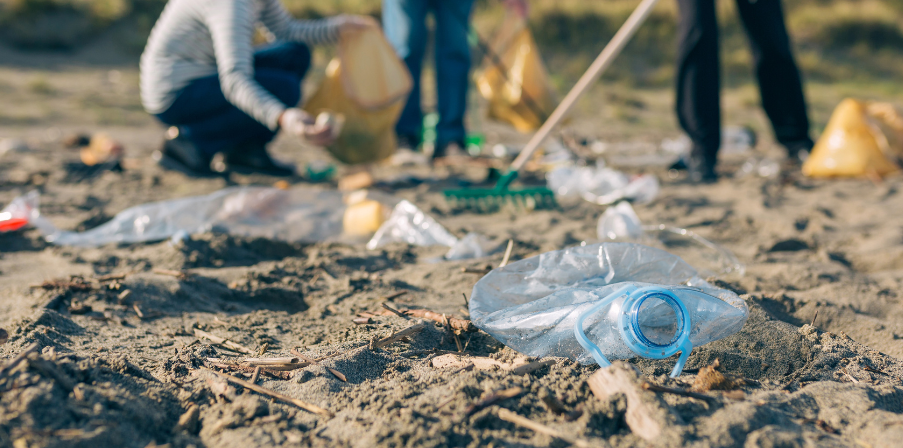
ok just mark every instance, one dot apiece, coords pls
pixel 850 146
pixel 518 90
pixel 368 85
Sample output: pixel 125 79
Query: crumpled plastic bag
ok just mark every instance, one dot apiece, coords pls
pixel 851 146
pixel 602 185
pixel 532 305
pixel 367 85
pixel 408 224
pixel 519 90
pixel 621 223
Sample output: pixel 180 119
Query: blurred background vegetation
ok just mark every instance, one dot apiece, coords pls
pixel 836 40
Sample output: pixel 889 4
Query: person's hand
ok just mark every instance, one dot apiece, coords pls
pixel 519 7
pixel 349 24
pixel 302 125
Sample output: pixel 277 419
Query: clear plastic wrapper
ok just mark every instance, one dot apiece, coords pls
pixel 533 305
pixel 620 222
pixel 409 224
pixel 602 185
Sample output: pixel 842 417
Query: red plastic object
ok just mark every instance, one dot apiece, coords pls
pixel 12 224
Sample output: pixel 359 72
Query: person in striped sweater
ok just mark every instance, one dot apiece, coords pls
pixel 202 76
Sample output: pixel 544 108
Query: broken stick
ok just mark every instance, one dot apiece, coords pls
pixel 264 391
pixel 507 254
pixel 15 361
pixel 224 342
pixel 519 420
pixel 456 323
pixel 492 399
pixel 399 335
pixel 335 372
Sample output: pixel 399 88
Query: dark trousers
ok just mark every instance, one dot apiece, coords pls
pixel 213 124
pixel 698 74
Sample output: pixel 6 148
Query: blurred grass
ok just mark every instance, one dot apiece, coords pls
pixel 836 40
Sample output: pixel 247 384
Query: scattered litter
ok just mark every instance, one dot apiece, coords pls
pixel 760 166
pixel 602 185
pixel 356 181
pixel 12 145
pixel 850 146
pixel 621 223
pixel 519 420
pixel 264 391
pixel 408 224
pixel 492 398
pixel 532 305
pixel 368 85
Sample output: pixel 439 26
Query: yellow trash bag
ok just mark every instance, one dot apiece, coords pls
pixel 367 85
pixel 516 84
pixel 850 146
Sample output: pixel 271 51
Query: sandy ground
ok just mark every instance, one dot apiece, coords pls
pixel 112 377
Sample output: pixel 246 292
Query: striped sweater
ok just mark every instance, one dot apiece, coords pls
pixel 199 38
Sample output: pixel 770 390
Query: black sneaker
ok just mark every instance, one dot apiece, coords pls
pixel 181 154
pixel 799 151
pixel 255 159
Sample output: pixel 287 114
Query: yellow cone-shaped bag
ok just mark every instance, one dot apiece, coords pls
pixel 368 85
pixel 518 90
pixel 850 146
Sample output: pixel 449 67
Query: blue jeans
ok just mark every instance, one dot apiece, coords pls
pixel 213 124
pixel 404 22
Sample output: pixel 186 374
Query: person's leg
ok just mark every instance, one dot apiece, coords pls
pixel 698 81
pixel 207 119
pixel 779 79
pixel 452 69
pixel 292 57
pixel 404 22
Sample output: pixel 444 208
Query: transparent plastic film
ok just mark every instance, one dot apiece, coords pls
pixel 534 305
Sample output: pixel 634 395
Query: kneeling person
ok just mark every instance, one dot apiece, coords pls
pixel 201 75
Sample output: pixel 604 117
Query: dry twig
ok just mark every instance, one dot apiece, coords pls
pixel 851 377
pixel 519 420
pixel 362 321
pixel 394 296
pixel 683 393
pixel 456 323
pixel 492 399
pixel 264 391
pixel 335 372
pixel 410 331
pixel 224 342
pixel 507 254
pixel 392 310
pixel 181 275
pixel 255 375
pixel 18 358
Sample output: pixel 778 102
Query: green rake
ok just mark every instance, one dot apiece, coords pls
pixel 492 199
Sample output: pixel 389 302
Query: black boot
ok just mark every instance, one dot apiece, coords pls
pixel 701 167
pixel 255 159
pixel 181 154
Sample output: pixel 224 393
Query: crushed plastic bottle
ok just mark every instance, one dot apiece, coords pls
pixel 534 305
pixel 602 185
pixel 760 166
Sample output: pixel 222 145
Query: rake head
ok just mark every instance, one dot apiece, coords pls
pixel 493 199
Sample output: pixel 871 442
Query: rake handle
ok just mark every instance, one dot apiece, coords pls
pixel 602 62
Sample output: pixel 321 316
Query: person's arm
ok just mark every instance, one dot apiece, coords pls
pixel 278 21
pixel 232 30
